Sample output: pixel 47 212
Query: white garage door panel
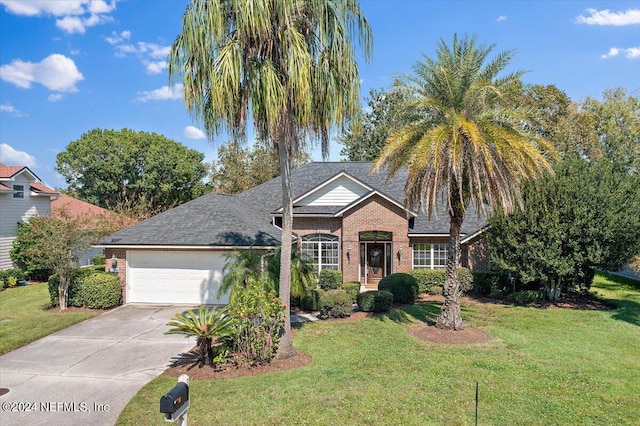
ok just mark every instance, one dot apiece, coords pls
pixel 174 277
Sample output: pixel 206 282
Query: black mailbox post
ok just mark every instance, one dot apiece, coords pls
pixel 174 404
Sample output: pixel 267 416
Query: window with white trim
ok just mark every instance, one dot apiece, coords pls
pixel 430 255
pixel 18 191
pixel 322 251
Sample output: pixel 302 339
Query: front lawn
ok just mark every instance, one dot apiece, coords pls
pixel 541 366
pixel 24 318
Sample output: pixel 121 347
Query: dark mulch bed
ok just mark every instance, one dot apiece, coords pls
pixel 568 300
pixel 190 366
pixel 432 334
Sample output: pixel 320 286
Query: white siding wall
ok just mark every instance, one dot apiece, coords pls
pixel 14 210
pixel 341 192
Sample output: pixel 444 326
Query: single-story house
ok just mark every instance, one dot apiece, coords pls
pixel 345 218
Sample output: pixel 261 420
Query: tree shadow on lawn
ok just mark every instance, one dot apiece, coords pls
pixel 627 310
pixel 425 312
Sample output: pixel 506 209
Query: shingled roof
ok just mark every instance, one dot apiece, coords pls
pixel 245 219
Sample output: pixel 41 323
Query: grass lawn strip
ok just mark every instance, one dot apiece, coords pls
pixel 540 366
pixel 24 318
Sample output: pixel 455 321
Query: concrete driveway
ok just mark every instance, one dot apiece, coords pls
pixel 87 373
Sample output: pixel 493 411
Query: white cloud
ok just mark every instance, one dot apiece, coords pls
pixel 118 38
pixel 629 53
pixel 74 52
pixel 74 24
pixel 54 97
pixel 501 18
pixel 10 109
pixel 75 16
pixel 155 67
pixel 101 6
pixel 152 50
pixel 70 25
pixel 607 17
pixel 18 158
pixel 55 72
pixel 40 7
pixel 152 55
pixel 161 94
pixel 191 132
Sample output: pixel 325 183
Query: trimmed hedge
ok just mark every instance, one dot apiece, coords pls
pixel 335 304
pixel 351 287
pixel 403 286
pixel 89 288
pixel 310 300
pixel 99 291
pixel 375 301
pixel 330 279
pixel 432 281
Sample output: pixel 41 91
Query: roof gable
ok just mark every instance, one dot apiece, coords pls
pixel 340 190
pixel 10 172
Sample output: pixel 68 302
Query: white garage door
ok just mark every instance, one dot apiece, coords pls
pixel 174 277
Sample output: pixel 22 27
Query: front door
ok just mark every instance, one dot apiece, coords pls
pixel 375 263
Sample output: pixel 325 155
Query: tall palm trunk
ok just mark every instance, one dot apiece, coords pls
pixel 285 346
pixel 450 316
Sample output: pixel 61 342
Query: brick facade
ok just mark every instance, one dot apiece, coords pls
pixel 373 214
pixel 121 255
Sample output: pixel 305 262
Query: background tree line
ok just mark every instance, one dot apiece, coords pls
pixel 585 215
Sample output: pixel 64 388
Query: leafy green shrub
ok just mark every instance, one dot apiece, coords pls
pixel 12 282
pixel 10 277
pixel 489 283
pixel 310 300
pixel 466 279
pixel 526 296
pixel 80 293
pixel 335 304
pixel 403 286
pixel 99 290
pixel 430 281
pixel 98 259
pixel 375 301
pixel 330 279
pixel 259 318
pixel 351 287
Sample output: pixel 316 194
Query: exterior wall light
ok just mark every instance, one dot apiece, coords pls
pixel 114 264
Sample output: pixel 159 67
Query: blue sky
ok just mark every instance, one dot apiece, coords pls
pixel 67 67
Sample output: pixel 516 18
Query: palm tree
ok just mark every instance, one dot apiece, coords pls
pixel 205 324
pixel 303 275
pixel 464 147
pixel 289 65
pixel 240 267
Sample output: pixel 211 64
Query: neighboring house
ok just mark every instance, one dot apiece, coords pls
pixel 89 214
pixel 344 218
pixel 22 195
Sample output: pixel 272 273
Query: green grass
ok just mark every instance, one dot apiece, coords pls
pixel 541 367
pixel 24 318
